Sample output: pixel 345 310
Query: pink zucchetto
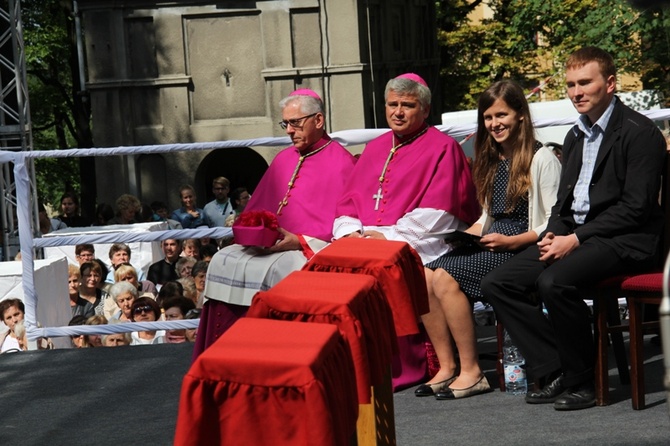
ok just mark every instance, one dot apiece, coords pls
pixel 306 92
pixel 413 77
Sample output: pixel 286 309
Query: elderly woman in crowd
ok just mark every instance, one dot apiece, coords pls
pixel 127 273
pixel 190 292
pixel 191 248
pixel 176 309
pixel 191 333
pixel 20 332
pixel 184 266
pixel 199 273
pixel 127 206
pixel 146 310
pixel 116 339
pixel 123 294
pixel 95 340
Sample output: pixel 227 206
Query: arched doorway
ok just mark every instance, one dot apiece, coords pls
pixel 243 166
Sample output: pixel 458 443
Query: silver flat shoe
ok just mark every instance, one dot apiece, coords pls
pixel 478 388
pixel 430 389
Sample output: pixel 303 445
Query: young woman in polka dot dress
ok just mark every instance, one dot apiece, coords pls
pixel 517 179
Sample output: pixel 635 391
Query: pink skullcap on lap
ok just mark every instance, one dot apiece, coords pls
pixel 306 92
pixel 413 77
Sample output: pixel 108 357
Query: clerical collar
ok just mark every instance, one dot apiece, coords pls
pixel 405 138
pixel 320 144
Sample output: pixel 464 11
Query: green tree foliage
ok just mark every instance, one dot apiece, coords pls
pixel 528 40
pixel 59 113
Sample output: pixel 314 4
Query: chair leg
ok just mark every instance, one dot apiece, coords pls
pixel 618 346
pixel 500 337
pixel 636 355
pixel 600 329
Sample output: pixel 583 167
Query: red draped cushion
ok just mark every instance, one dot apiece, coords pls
pixel 394 264
pixel 353 302
pixel 267 382
pixel 650 283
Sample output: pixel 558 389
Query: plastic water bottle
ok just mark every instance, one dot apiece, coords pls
pixel 515 368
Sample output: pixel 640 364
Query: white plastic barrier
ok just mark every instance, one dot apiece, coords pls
pixel 143 254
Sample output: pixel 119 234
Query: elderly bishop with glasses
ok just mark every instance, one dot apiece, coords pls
pixel 302 186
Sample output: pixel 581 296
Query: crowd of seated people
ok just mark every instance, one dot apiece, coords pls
pixel 127 299
pixel 128 209
pixel 100 295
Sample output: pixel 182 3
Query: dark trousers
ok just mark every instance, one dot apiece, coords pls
pixel 563 341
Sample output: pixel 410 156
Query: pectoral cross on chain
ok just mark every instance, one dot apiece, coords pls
pixel 378 196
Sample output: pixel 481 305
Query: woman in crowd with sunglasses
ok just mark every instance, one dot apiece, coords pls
pixel 145 309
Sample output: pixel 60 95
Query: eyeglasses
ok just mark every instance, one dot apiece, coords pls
pixel 193 314
pixel 296 123
pixel 144 309
pixel 85 255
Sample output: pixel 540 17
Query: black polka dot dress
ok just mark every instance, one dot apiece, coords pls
pixel 469 264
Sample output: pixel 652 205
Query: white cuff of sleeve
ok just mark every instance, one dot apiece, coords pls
pixel 346 225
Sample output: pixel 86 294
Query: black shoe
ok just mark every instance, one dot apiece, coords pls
pixel 548 394
pixel 575 398
pixel 431 389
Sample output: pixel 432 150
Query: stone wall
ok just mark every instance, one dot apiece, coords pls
pixel 192 71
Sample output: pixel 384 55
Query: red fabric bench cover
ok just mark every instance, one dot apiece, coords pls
pixel 270 382
pixel 352 302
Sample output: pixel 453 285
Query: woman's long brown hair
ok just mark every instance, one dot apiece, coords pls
pixel 487 150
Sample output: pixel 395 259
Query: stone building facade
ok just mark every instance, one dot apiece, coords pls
pixel 171 71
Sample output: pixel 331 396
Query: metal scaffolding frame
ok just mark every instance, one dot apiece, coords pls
pixel 15 124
